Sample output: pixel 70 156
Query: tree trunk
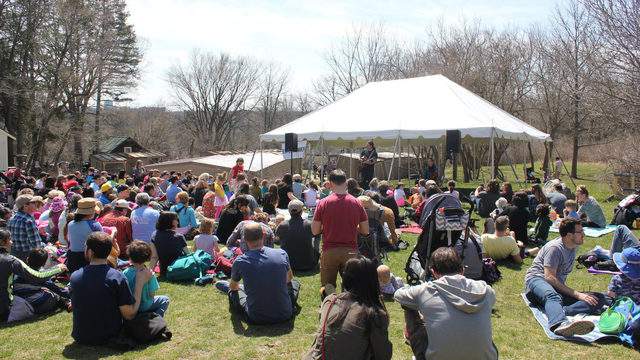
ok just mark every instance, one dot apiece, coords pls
pixel 96 124
pixel 531 155
pixel 574 160
pixel 76 134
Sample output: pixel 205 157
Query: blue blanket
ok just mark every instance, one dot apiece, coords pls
pixel 592 232
pixel 588 338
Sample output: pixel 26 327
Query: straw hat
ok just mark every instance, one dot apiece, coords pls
pixel 87 206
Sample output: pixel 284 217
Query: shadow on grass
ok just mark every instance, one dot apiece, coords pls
pixel 307 273
pixel 241 327
pixel 36 318
pixel 79 351
pixel 509 265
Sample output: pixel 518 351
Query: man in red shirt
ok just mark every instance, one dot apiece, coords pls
pixel 118 218
pixel 338 217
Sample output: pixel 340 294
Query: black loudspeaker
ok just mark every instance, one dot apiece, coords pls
pixel 290 142
pixel 453 141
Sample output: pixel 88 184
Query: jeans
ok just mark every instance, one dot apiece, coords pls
pixel 160 305
pixel 238 299
pixel 557 306
pixel 622 239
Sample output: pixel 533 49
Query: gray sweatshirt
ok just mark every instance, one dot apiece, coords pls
pixel 457 315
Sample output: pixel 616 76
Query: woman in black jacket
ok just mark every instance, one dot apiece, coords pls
pixel 231 216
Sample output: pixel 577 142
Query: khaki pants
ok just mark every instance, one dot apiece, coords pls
pixel 332 261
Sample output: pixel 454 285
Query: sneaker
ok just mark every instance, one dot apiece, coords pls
pixel 572 328
pixel 402 244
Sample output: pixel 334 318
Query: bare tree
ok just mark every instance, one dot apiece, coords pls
pixel 214 91
pixel 272 95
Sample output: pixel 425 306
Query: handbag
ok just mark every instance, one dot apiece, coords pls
pixel 614 319
pixel 147 327
pixel 490 272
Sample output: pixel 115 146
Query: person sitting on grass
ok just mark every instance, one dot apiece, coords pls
pixel 167 245
pixel 101 296
pixel 627 283
pixel 542 226
pixel 389 283
pixel 236 239
pixel 36 260
pixel 589 210
pixel 519 215
pixel 206 241
pixel 456 312
pixel 186 214
pixel 296 239
pixel 501 244
pixel 353 324
pixel 571 210
pixel 545 283
pixel 139 253
pixel 12 306
pixel 269 293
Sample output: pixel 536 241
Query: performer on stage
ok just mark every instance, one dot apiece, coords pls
pixel 368 158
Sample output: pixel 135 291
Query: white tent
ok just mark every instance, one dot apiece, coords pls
pixel 415 109
pixel 422 107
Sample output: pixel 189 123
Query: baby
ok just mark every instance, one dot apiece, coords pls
pixel 389 283
pixel 501 204
pixel 273 224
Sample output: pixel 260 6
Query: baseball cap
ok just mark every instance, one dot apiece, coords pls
pixel 295 206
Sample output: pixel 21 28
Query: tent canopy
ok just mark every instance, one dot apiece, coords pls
pixel 421 108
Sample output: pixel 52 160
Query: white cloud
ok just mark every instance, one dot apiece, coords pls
pixel 294 33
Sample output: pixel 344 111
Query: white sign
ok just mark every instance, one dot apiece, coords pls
pixel 296 154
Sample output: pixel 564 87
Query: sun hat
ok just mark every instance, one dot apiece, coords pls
pixel 628 261
pixel 54 194
pixel 105 187
pixel 87 206
pixel 58 204
pixel 122 204
pixel 22 200
pixel 295 206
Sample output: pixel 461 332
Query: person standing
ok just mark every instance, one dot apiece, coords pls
pixel 431 172
pixel 22 226
pixel 368 158
pixel 545 283
pixel 339 218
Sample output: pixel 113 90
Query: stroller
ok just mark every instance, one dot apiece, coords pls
pixel 444 223
pixel 627 211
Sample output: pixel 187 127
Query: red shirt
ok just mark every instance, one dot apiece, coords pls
pixel 340 215
pixel 69 184
pixel 123 225
pixel 237 169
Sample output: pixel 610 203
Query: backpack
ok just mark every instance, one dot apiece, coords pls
pixel 147 327
pixel 614 319
pixel 189 267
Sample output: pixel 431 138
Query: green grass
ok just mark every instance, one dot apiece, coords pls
pixel 202 326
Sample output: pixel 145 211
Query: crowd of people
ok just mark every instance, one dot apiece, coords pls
pixel 110 236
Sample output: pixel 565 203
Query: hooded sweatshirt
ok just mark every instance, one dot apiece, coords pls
pixel 457 315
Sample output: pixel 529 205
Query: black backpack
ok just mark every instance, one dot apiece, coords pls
pixel 147 327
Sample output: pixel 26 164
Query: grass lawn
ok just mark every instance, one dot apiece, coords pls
pixel 203 328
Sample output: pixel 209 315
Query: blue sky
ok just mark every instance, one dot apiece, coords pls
pixel 295 34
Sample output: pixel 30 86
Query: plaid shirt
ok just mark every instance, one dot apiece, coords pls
pixel 24 232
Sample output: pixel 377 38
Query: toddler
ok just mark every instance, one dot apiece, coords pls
pixel 399 195
pixel 139 253
pixel 571 209
pixel 389 283
pixel 206 241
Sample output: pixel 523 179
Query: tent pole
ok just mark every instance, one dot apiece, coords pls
pixel 493 155
pixel 323 159
pixel 408 163
pixel 251 162
pixel 395 148
pixel 350 159
pixel 261 160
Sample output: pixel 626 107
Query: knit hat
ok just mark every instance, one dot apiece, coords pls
pixel 122 187
pixel 87 206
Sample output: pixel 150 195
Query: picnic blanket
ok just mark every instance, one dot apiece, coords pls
pixel 591 232
pixel 595 335
pixel 416 229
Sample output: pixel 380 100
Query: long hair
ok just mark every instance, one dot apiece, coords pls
pixel 360 281
pixel 536 189
pixel 287 179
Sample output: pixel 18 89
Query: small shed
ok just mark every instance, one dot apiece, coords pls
pixel 5 138
pixel 122 153
pixel 275 165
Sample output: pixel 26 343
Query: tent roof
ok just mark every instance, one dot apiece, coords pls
pixel 416 108
pixel 228 160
